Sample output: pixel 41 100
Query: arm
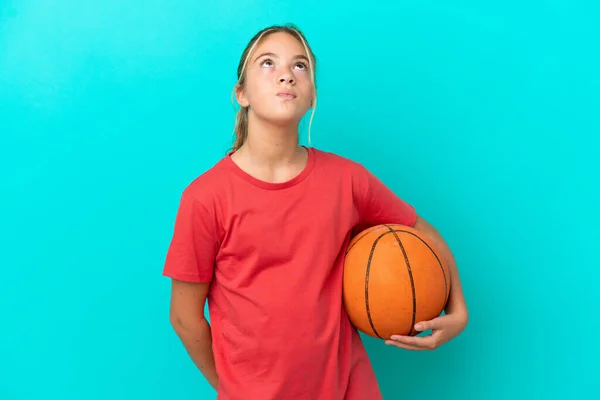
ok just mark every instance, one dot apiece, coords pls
pixel 456 302
pixel 446 327
pixel 379 205
pixel 188 321
pixel 189 263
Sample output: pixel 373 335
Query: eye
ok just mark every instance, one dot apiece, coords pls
pixel 302 66
pixel 266 62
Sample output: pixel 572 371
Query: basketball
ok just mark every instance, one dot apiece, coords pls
pixel 393 278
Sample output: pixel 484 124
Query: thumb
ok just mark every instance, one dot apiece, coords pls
pixel 432 324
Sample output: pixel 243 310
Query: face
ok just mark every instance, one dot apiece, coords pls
pixel 278 85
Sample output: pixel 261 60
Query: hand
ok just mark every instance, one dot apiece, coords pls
pixel 444 329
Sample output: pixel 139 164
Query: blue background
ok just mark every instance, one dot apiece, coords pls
pixel 484 115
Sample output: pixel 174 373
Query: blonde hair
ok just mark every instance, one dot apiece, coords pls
pixel 241 120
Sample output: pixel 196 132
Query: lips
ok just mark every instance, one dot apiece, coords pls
pixel 286 95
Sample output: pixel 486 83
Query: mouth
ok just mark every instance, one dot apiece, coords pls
pixel 286 95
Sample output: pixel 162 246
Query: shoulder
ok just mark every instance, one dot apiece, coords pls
pixel 328 159
pixel 204 188
pixel 345 168
pixel 348 170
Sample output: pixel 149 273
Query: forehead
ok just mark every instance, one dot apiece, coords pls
pixel 280 43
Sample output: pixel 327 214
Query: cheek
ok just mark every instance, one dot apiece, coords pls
pixel 308 90
pixel 258 87
pixel 303 80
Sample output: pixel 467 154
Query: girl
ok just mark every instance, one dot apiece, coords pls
pixel 261 236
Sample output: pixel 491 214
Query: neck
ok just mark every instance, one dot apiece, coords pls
pixel 270 144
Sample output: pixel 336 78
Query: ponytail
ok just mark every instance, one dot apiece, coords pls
pixel 241 128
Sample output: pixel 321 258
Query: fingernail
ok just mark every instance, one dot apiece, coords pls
pixel 418 327
pixel 395 337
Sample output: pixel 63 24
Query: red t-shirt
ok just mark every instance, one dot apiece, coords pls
pixel 274 254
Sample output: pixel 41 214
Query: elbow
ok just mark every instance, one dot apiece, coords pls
pixel 175 320
pixel 185 326
pixel 178 322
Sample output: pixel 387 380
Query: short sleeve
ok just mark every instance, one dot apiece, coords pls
pixel 192 251
pixel 378 204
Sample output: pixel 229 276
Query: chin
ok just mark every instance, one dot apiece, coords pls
pixel 283 118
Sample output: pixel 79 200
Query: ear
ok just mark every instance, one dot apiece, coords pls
pixel 240 95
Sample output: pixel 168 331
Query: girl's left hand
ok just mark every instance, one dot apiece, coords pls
pixel 443 329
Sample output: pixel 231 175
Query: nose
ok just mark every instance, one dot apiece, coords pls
pixel 287 77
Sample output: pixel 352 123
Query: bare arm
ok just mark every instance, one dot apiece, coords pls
pixel 456 301
pixel 190 324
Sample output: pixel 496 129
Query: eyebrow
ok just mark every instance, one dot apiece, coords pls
pixel 299 56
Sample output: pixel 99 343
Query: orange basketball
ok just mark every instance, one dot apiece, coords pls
pixel 394 277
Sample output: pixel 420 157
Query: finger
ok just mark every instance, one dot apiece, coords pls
pixel 422 342
pixel 402 346
pixel 433 324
